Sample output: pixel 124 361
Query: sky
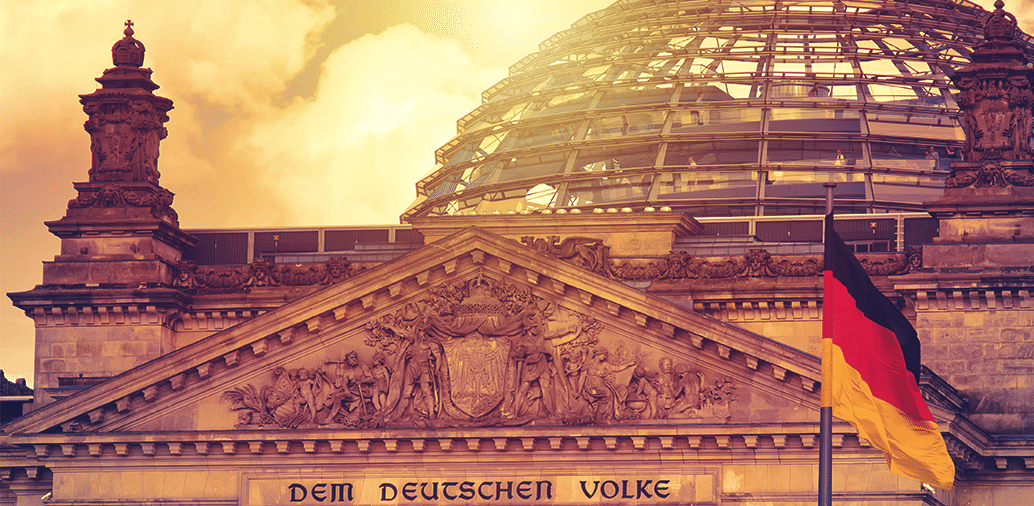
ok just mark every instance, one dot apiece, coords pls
pixel 287 112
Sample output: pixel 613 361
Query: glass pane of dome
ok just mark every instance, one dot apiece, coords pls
pixel 688 104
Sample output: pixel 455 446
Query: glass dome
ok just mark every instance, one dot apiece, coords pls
pixel 719 108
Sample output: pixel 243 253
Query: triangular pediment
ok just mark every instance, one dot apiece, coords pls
pixel 474 330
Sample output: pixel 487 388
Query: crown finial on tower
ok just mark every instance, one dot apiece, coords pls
pixel 128 51
pixel 1000 25
pixel 126 119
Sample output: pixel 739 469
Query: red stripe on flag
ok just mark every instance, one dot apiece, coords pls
pixel 871 350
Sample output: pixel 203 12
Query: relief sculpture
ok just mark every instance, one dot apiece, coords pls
pixel 483 353
pixel 996 95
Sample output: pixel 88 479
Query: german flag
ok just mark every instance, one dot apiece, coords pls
pixel 870 370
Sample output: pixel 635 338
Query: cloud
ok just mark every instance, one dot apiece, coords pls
pixel 223 64
pixel 239 153
pixel 384 103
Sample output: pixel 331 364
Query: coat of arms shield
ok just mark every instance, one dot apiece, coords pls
pixel 477 372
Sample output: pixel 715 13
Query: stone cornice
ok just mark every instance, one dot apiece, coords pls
pixel 974 451
pixel 53 448
pixel 99 306
pixel 159 228
pixel 969 291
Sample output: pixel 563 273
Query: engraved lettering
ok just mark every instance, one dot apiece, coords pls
pixel 624 490
pixel 595 485
pixel 445 490
pixel 337 492
pixel 434 492
pixel 603 489
pixel 295 488
pixel 319 492
pixel 549 489
pixel 467 490
pixel 409 491
pixel 641 490
pixel 524 490
pixel 481 493
pixel 385 487
pixel 499 489
pixel 660 491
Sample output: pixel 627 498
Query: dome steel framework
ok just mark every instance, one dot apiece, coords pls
pixel 719 108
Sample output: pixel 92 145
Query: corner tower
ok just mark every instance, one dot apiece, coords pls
pixel 973 304
pixel 104 299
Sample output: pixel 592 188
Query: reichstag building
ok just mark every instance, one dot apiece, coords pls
pixel 608 290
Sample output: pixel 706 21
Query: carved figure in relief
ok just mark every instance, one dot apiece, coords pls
pixel 757 263
pixel 542 382
pixel 349 377
pixel 337 270
pixel 316 394
pixel 605 385
pixel 533 377
pixel 421 385
pixel 415 388
pixel 186 271
pixel 677 266
pixel 661 389
pixel 260 273
pixel 381 378
pixel 533 356
pixel 687 392
pixel 574 361
pixel 481 353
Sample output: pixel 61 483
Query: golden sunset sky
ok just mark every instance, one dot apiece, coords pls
pixel 287 112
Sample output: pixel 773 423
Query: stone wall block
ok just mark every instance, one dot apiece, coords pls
pixel 934 353
pixel 938 319
pixel 1018 335
pixel 1001 318
pixel 983 334
pixel 53 365
pixel 1006 350
pixel 89 349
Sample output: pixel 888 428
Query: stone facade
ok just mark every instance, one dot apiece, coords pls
pixel 515 359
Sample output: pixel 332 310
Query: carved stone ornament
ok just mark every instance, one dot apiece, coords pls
pixel 262 272
pixel 989 174
pixel 483 353
pixel 127 120
pixel 678 265
pixel 587 253
pixel 158 199
pixel 996 96
pixel 128 51
pixel 124 140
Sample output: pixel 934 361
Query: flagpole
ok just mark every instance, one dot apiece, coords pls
pixel 826 399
